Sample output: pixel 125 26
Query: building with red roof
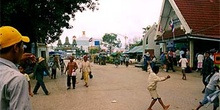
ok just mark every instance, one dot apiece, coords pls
pixel 194 24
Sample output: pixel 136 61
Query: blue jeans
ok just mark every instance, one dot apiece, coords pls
pixel 205 99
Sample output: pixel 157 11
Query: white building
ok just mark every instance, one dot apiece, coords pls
pixel 83 42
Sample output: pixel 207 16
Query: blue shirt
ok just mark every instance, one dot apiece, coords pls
pixel 14 93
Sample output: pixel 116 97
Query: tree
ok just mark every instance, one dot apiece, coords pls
pixel 137 43
pixel 111 39
pixel 42 20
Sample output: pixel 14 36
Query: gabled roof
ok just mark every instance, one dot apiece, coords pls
pixel 199 18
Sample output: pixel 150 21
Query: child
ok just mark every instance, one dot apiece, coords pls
pixel 183 62
pixel 152 85
pixel 28 79
pixel 213 81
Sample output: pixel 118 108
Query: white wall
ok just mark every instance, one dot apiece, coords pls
pixel 150 35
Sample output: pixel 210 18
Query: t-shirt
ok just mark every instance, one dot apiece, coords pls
pixel 183 62
pixel 153 79
pixel 214 80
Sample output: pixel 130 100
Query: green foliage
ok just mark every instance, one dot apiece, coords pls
pixel 111 39
pixel 42 20
pixel 93 50
pixel 110 59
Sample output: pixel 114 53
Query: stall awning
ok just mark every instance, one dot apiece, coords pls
pixel 137 49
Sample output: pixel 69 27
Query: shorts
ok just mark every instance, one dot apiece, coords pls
pixel 154 94
pixel 199 65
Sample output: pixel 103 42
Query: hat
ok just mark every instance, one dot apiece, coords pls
pixel 40 59
pixel 10 36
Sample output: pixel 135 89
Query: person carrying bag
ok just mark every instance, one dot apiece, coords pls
pixel 71 73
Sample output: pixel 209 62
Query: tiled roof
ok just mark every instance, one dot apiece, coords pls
pixel 202 16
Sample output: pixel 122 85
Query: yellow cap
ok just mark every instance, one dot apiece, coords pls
pixel 10 36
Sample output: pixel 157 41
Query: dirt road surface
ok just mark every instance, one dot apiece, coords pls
pixel 119 89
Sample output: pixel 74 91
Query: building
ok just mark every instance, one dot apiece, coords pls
pixel 149 40
pixel 191 24
pixel 79 46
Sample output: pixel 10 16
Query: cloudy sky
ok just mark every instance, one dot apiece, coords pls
pixel 123 17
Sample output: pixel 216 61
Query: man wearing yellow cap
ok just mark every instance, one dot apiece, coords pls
pixel 13 85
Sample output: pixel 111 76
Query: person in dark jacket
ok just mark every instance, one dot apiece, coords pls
pixel 206 69
pixel 39 70
pixel 55 65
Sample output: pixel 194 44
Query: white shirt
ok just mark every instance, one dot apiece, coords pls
pixel 183 62
pixel 214 80
pixel 153 79
pixel 200 58
pixel 85 66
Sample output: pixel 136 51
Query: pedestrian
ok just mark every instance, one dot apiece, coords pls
pixel 21 69
pixel 62 66
pixel 55 65
pixel 183 62
pixel 174 59
pixel 187 55
pixel 153 60
pixel 182 52
pixel 177 52
pixel 71 72
pixel 117 62
pixel 122 59
pixel 213 81
pixel 14 86
pixel 80 65
pixel 163 60
pixel 200 59
pixel 169 63
pixel 153 79
pixel 39 70
pixel 126 61
pixel 146 58
pixel 206 69
pixel 85 69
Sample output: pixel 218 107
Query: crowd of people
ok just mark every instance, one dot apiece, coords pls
pixel 205 65
pixel 16 66
pixel 15 86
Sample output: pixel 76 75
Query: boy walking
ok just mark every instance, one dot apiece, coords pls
pixel 183 62
pixel 152 85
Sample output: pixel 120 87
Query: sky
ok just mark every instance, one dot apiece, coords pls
pixel 122 17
